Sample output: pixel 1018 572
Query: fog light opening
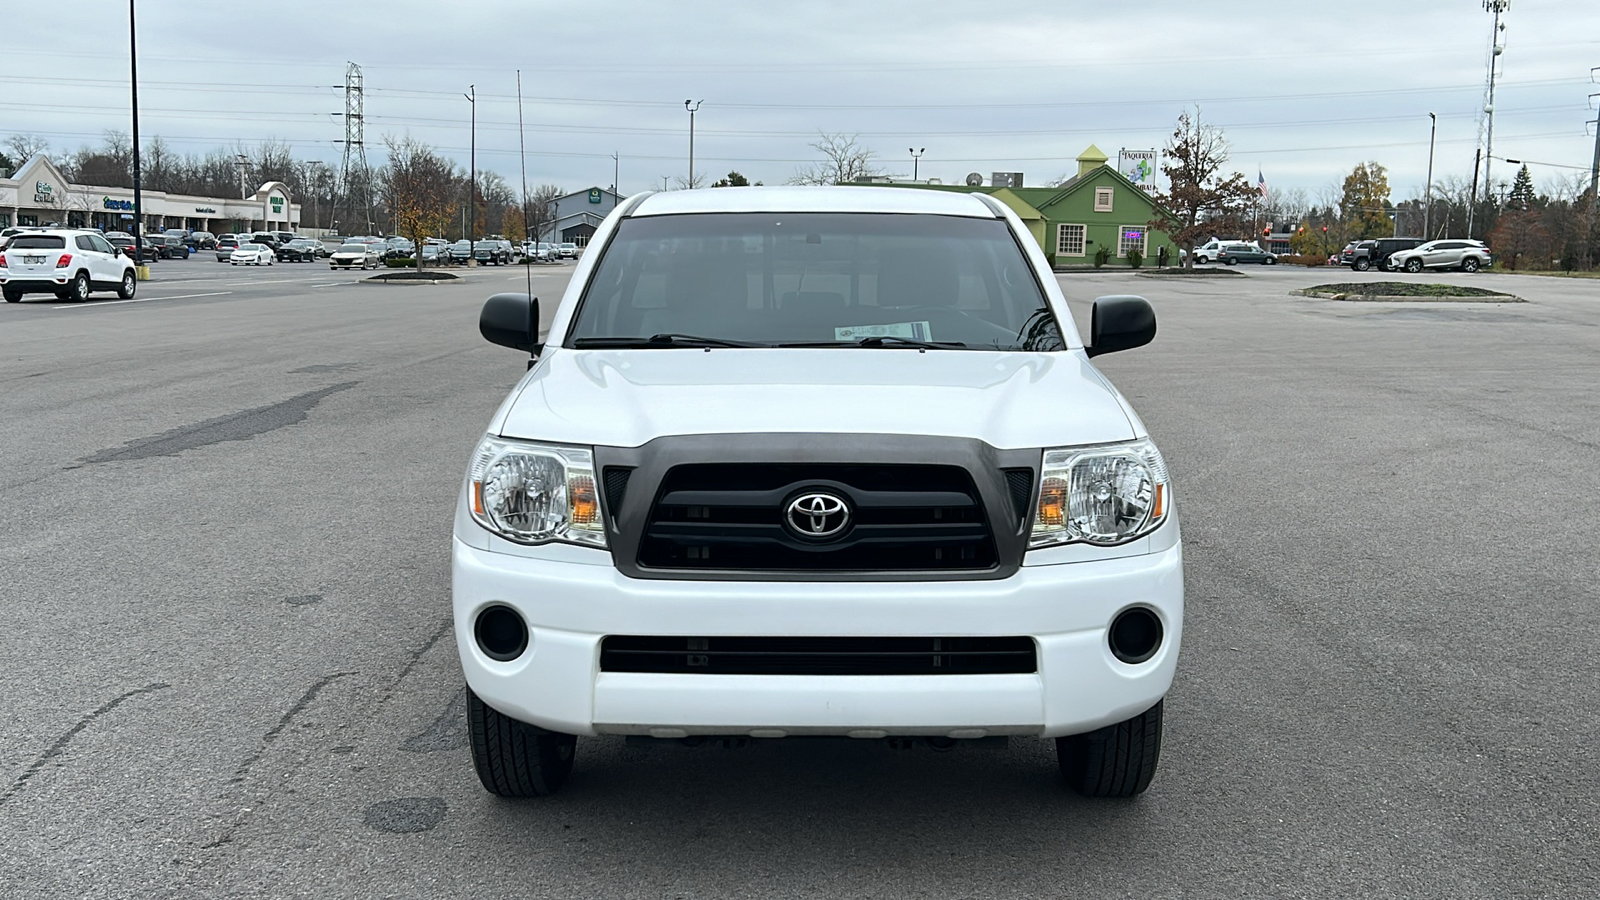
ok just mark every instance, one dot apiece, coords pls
pixel 501 633
pixel 1135 635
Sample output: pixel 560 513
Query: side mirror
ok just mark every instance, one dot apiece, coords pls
pixel 511 320
pixel 1120 322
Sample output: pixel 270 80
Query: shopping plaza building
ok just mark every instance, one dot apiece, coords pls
pixel 38 194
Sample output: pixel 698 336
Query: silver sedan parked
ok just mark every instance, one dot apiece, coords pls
pixel 356 256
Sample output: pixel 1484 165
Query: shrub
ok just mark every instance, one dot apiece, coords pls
pixel 1101 256
pixel 1291 259
pixel 1135 257
pixel 400 263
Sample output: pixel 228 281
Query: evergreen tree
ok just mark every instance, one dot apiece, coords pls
pixel 1521 191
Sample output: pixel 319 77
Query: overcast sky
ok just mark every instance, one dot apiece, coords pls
pixel 1304 92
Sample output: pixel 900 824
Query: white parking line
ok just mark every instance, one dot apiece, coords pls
pixel 335 283
pixel 243 283
pixel 100 303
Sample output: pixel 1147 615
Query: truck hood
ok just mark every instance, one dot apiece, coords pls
pixel 625 398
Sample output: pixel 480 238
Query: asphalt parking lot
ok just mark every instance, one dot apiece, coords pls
pixel 229 669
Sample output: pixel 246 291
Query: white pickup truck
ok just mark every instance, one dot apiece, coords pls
pixel 816 461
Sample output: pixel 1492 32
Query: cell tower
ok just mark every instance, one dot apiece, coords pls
pixel 1497 46
pixel 355 176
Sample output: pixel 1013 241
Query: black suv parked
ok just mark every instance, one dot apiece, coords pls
pixel 171 246
pixel 1376 253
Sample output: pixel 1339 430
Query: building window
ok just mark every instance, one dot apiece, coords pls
pixel 1132 238
pixel 1069 240
pixel 5 220
pixel 1102 199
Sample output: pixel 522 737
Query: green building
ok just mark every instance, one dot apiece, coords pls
pixel 1095 208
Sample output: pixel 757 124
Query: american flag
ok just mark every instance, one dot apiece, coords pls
pixel 1261 182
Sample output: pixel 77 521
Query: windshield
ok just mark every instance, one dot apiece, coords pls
pixel 37 242
pixel 817 278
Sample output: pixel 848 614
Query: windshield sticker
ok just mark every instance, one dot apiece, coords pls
pixel 916 331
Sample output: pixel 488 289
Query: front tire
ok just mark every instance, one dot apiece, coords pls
pixel 129 285
pixel 515 759
pixel 1115 761
pixel 1413 266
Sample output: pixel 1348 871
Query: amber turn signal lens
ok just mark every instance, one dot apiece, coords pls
pixel 585 507
pixel 1053 501
pixel 1159 507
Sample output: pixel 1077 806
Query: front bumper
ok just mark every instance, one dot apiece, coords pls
pixel 570 606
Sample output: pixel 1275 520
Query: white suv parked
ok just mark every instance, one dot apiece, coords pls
pixel 816 461
pixel 1468 256
pixel 65 262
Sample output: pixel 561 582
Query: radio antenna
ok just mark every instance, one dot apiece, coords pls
pixel 522 146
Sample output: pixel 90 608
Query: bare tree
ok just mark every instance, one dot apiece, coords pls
pixel 1284 207
pixel 689 184
pixel 109 165
pixel 22 147
pixel 270 160
pixel 494 197
pixel 1200 201
pixel 843 161
pixel 158 166
pixel 541 208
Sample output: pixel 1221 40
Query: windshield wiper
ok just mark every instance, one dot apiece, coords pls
pixel 665 339
pixel 883 341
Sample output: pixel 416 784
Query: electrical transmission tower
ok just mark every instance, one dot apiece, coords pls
pixel 355 176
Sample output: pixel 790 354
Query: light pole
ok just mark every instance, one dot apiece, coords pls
pixel 616 177
pixel 916 159
pixel 472 186
pixel 1594 167
pixel 692 110
pixel 138 204
pixel 1427 192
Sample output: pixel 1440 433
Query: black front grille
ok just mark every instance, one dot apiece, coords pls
pixel 819 655
pixel 903 518
pixel 1019 484
pixel 616 481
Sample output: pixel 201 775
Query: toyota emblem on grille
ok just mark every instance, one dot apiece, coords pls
pixel 817 515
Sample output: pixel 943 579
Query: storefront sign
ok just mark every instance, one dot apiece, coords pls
pixel 594 195
pixel 277 206
pixel 109 203
pixel 1139 167
pixel 205 210
pixel 44 193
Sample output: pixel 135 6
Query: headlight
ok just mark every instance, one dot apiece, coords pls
pixel 536 493
pixel 1100 495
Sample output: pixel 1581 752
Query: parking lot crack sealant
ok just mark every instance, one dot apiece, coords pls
pixel 59 747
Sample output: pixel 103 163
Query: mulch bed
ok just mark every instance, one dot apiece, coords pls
pixel 1407 291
